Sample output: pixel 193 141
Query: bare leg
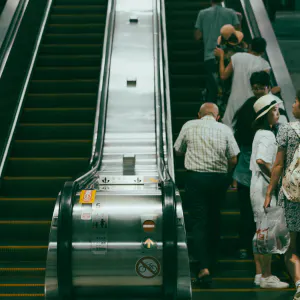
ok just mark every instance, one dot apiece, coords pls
pixel 267 261
pixel 258 259
pixel 292 260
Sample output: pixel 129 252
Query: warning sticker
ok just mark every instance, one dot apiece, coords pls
pixel 147 267
pixel 87 196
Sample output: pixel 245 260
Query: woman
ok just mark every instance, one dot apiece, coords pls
pixel 244 135
pixel 263 156
pixel 288 142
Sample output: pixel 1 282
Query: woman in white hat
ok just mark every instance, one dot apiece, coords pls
pixel 263 156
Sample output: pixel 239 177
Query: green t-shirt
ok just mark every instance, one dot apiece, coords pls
pixel 209 22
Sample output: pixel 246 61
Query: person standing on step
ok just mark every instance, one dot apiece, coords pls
pixel 242 66
pixel 263 156
pixel 288 141
pixel 244 135
pixel 208 25
pixel 210 154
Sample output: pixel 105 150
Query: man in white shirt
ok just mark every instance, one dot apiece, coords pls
pixel 210 153
pixel 242 66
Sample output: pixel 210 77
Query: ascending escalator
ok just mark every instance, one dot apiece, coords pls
pixel 53 139
pixel 233 276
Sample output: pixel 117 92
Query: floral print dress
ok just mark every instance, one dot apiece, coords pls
pixel 288 139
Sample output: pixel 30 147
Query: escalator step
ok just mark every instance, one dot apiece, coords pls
pixel 58 115
pixel 55 131
pixel 76 9
pixel 87 38
pixel 33 186
pixel 70 49
pixel 62 73
pixel 64 100
pixel 69 60
pixel 63 86
pixel 75 28
pixel 46 166
pixel 22 208
pixel 51 148
pixel 23 252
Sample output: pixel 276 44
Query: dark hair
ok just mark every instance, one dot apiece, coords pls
pixel 243 119
pixel 262 123
pixel 258 45
pixel 298 95
pixel 217 1
pixel 262 78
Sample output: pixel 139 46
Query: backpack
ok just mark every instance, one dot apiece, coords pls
pixel 291 180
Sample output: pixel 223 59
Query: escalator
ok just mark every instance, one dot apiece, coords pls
pixel 52 142
pixel 287 30
pixel 233 276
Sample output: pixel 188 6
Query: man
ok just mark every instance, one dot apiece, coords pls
pixel 242 65
pixel 210 153
pixel 208 25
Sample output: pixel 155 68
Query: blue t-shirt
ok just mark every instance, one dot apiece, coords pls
pixel 209 22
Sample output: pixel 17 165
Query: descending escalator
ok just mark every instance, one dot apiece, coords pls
pixel 53 140
pixel 233 276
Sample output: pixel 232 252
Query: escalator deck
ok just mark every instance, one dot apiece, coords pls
pixel 53 140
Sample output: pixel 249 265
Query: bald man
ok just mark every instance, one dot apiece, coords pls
pixel 210 154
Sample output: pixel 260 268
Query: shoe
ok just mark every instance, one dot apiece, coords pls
pixel 297 295
pixel 203 282
pixel 273 282
pixel 257 279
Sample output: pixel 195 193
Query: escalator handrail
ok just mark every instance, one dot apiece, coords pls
pixel 166 90
pixel 24 88
pixel 11 33
pixel 101 108
pixel 168 186
pixel 68 194
pixel 260 26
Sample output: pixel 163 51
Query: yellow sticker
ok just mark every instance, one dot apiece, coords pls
pixel 87 196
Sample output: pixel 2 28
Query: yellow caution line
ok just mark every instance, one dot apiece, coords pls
pixel 61 109
pixel 55 124
pixel 53 141
pixel 23 247
pixel 37 178
pixel 22 269
pixel 25 222
pixel 239 290
pixel 23 285
pixel 22 295
pixel 48 158
pixel 27 199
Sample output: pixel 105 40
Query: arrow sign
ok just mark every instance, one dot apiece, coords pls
pixel 148 243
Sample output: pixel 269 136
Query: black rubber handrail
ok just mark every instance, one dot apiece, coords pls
pixel 170 271
pixel 170 261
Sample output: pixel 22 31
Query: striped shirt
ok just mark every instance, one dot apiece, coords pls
pixel 207 144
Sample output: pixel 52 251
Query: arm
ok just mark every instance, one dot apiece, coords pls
pixel 264 167
pixel 225 73
pixel 198 35
pixel 232 163
pixel 275 176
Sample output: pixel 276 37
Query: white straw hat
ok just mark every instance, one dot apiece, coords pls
pixel 264 104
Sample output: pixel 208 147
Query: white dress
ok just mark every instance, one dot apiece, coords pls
pixel 244 65
pixel 264 147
